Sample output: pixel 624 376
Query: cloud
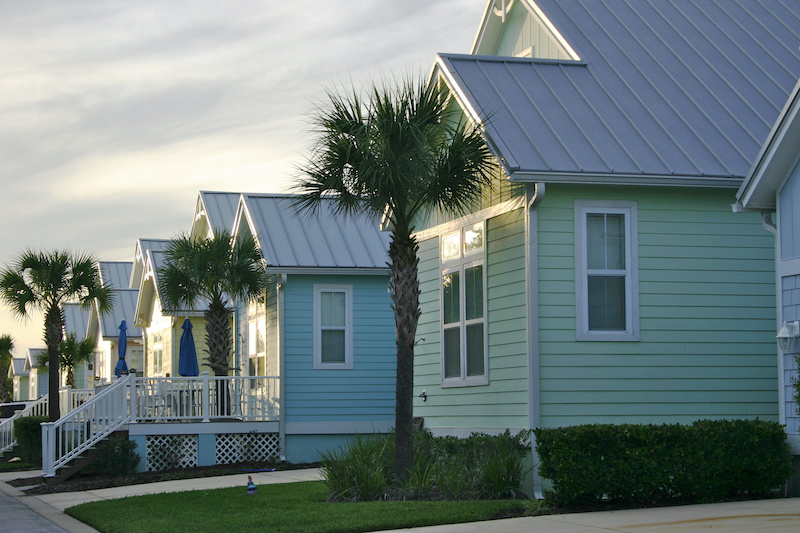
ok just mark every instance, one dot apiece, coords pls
pixel 114 114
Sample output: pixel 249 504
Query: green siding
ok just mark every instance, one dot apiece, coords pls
pixel 504 401
pixel 707 311
pixel 706 308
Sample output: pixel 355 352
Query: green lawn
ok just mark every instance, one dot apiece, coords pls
pixel 17 466
pixel 290 507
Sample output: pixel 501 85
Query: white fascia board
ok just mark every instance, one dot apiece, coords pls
pixel 664 180
pixel 776 159
pixel 471 218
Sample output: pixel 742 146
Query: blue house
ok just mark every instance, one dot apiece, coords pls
pixel 772 188
pixel 325 326
pixel 610 280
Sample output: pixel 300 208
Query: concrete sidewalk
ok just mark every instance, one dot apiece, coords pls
pixel 779 515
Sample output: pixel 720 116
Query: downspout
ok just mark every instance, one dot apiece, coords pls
pixel 769 225
pixel 281 366
pixel 534 194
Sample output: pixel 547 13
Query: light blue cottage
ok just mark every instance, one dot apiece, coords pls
pixel 773 187
pixel 607 278
pixel 325 326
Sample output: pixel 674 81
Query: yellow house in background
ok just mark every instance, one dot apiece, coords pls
pixel 162 331
pixel 105 328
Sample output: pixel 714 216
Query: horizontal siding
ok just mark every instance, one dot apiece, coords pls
pixel 504 401
pixel 363 393
pixel 707 315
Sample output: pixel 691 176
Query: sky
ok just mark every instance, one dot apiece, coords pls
pixel 114 114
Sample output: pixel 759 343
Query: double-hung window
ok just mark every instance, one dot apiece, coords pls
pixel 606 277
pixel 464 355
pixel 333 326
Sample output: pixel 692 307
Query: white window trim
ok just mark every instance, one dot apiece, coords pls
pixel 460 264
pixel 582 331
pixel 348 334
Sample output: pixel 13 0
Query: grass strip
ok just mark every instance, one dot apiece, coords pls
pixel 18 466
pixel 284 508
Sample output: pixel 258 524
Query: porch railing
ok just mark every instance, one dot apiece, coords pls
pixel 133 399
pixel 69 399
pixel 80 429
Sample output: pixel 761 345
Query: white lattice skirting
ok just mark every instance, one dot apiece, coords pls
pixel 242 447
pixel 165 452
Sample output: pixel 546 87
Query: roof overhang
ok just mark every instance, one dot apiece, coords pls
pixel 777 158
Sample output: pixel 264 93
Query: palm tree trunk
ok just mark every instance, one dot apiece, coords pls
pixel 53 335
pixel 219 339
pixel 404 286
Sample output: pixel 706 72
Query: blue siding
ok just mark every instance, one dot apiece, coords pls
pixel 788 198
pixel 363 393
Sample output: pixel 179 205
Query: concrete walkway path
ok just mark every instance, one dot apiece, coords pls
pixel 779 515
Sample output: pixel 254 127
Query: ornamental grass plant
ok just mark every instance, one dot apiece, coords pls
pixel 478 467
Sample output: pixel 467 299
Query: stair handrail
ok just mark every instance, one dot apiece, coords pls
pixel 38 407
pixel 91 422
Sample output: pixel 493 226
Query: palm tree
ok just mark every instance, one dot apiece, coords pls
pixel 6 347
pixel 217 270
pixel 399 152
pixel 44 281
pixel 73 353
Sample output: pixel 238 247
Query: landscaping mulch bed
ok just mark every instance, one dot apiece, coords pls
pixel 81 482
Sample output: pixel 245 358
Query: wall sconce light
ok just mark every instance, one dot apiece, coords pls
pixel 787 335
pixel 423 395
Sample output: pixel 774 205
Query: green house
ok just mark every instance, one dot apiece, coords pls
pixel 605 277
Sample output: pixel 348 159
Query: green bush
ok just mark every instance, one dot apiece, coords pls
pixel 478 467
pixel 115 456
pixel 28 432
pixel 648 464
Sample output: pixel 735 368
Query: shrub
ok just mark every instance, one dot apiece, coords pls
pixel 115 456
pixel 361 469
pixel 480 466
pixel 648 464
pixel 28 432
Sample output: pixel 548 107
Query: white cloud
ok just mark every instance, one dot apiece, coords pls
pixel 114 114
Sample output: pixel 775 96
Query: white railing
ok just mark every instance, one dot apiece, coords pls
pixel 79 430
pixel 35 408
pixel 162 400
pixel 69 399
pixel 204 398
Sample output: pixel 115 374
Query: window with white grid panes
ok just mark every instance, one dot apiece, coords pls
pixel 606 271
pixel 333 326
pixel 257 339
pixel 463 296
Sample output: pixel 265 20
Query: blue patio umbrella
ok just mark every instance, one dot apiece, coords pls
pixel 122 366
pixel 187 357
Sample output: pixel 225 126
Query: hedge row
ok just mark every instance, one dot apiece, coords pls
pixel 649 464
pixel 28 432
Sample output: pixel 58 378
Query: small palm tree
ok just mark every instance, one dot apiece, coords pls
pixel 398 152
pixel 217 270
pixel 6 347
pixel 73 353
pixel 44 281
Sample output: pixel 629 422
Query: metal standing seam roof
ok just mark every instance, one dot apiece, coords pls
pixel 143 247
pixel 116 274
pixel 220 208
pixel 123 309
pixel 17 367
pixel 668 88
pixel 76 320
pixel 31 356
pixel 321 239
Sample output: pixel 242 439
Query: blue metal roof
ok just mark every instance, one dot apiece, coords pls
pixel 670 90
pixel 76 320
pixel 220 209
pixel 124 307
pixel 292 239
pixel 116 274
